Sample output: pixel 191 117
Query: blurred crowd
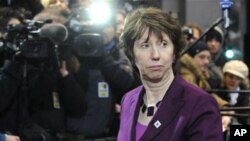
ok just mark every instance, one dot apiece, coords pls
pixel 206 65
pixel 73 91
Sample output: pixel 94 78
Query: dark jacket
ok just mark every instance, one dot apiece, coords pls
pixel 219 59
pixel 242 101
pixel 186 113
pixel 32 100
pixel 105 80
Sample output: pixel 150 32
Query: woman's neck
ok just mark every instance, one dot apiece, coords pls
pixel 156 91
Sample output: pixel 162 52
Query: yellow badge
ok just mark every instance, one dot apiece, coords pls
pixel 103 90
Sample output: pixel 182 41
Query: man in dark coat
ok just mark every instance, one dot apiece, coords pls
pixel 35 98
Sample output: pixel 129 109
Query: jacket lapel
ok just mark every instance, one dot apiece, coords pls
pixel 134 108
pixel 168 110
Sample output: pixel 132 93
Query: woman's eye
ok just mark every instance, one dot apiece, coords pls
pixel 164 44
pixel 145 45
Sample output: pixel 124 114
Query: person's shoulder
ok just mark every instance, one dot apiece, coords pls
pixel 131 97
pixel 196 96
pixel 134 92
pixel 193 88
pixel 194 91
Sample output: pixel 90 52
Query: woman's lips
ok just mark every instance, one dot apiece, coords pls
pixel 155 67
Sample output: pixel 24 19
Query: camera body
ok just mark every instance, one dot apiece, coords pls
pixel 24 40
pixel 38 49
pixel 87 36
pixel 88 45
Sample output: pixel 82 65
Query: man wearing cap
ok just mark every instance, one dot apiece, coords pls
pixel 195 67
pixel 214 40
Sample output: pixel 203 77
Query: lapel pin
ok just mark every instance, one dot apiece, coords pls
pixel 157 124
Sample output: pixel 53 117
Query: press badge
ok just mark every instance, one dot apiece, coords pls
pixel 103 90
pixel 56 102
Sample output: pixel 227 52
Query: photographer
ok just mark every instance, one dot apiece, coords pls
pixel 37 94
pixel 106 74
pixel 192 32
pixel 7 16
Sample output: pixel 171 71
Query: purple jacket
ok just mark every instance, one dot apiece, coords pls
pixel 186 113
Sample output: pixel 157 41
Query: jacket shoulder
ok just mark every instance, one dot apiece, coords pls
pixel 134 93
pixel 193 91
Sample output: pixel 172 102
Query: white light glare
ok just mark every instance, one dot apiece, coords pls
pixel 229 54
pixel 100 12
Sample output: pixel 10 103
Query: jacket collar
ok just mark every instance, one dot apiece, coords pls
pixel 167 111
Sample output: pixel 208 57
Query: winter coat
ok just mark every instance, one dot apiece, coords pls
pixel 43 98
pixel 192 73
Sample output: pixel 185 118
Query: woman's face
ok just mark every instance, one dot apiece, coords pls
pixel 231 81
pixel 153 56
pixel 202 59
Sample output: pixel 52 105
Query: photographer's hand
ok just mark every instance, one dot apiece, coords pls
pixel 63 69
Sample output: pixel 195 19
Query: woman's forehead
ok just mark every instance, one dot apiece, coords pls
pixel 149 32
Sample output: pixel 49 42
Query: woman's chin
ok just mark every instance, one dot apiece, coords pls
pixel 155 78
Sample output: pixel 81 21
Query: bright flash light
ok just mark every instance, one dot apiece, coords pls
pixel 100 12
pixel 229 54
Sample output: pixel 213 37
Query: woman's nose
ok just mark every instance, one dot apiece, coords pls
pixel 155 53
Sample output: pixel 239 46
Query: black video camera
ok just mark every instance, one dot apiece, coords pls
pixel 87 38
pixel 24 40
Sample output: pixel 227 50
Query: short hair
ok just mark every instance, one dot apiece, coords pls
pixel 194 26
pixel 6 13
pixel 157 21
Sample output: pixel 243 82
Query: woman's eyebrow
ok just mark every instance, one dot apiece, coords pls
pixel 142 40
